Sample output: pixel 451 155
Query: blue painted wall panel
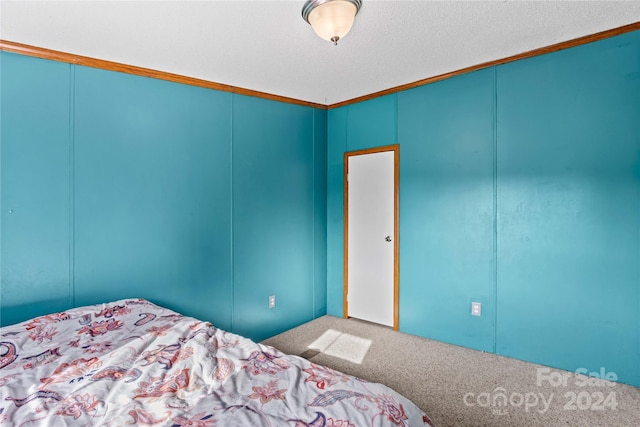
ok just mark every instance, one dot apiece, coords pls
pixel 320 211
pixel 336 146
pixel 273 228
pixel 568 212
pixel 372 123
pixel 445 131
pixel 124 189
pixel 541 169
pixel 34 229
pixel 152 193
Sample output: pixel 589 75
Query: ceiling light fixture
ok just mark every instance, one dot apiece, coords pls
pixel 331 19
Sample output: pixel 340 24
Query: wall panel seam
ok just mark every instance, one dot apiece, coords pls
pixel 495 209
pixel 72 226
pixel 1 205
pixel 313 212
pixel 231 222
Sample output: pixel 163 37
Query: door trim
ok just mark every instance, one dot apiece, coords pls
pixel 396 245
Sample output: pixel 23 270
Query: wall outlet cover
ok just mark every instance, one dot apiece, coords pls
pixel 476 309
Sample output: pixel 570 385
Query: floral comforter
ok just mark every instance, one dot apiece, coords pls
pixel 131 362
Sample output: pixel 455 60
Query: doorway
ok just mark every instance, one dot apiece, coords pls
pixel 371 246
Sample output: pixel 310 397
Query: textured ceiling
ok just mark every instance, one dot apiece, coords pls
pixel 267 46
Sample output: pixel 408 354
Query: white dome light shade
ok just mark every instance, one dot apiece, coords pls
pixel 332 19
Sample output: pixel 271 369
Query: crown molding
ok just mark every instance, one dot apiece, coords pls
pixel 536 52
pixel 86 61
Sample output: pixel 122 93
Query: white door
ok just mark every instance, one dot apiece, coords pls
pixel 371 237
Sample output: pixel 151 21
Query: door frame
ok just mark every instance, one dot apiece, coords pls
pixel 396 235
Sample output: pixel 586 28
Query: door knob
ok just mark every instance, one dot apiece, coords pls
pixel 388 238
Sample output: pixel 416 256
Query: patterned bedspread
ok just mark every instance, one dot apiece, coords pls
pixel 131 362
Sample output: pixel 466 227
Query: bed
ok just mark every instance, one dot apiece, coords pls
pixel 131 362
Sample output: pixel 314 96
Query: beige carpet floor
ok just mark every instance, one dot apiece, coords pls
pixel 457 386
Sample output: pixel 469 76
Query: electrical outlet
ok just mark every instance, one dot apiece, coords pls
pixel 476 309
pixel 272 301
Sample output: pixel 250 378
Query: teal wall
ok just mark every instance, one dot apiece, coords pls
pixel 569 208
pixel 271 206
pixel 520 189
pixel 446 132
pixel 118 186
pixel 35 173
